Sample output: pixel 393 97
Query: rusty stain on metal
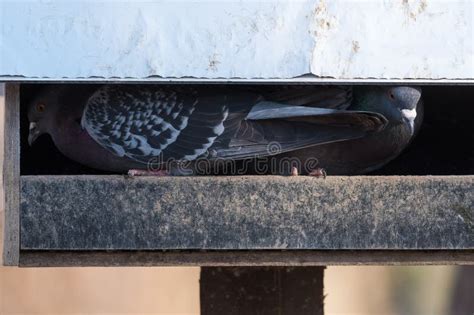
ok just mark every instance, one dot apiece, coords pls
pixel 414 7
pixel 355 46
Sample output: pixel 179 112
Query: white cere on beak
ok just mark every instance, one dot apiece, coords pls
pixel 32 125
pixel 410 115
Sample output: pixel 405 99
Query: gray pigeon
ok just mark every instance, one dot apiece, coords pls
pixel 124 127
pixel 403 108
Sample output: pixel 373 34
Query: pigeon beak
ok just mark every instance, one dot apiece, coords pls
pixel 34 133
pixel 410 115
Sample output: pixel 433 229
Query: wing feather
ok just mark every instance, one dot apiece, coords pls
pixel 143 123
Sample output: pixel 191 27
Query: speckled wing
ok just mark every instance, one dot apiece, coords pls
pixel 146 123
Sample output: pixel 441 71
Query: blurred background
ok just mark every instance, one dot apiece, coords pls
pixel 416 290
pixel 349 290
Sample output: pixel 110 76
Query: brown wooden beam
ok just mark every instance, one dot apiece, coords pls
pixel 262 290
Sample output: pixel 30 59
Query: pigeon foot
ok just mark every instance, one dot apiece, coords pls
pixel 136 172
pixel 318 173
pixel 294 171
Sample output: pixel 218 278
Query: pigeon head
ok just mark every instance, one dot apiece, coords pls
pixel 41 111
pixel 401 105
pixel 55 106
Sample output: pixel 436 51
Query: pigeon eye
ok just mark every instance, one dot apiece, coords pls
pixel 392 97
pixel 40 108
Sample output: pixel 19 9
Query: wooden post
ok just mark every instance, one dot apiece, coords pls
pixel 262 290
pixel 11 175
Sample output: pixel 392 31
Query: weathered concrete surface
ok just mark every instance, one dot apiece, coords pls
pixel 115 212
pixel 11 175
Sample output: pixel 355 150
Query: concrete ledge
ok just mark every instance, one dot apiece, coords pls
pixel 247 213
pixel 41 258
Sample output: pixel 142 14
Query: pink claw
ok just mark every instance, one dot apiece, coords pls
pixel 318 172
pixel 294 171
pixel 136 172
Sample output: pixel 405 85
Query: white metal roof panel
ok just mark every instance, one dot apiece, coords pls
pixel 237 40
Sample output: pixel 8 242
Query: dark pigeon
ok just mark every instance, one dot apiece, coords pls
pixel 123 127
pixel 403 109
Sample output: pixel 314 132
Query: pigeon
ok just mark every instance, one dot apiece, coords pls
pixel 120 128
pixel 404 111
